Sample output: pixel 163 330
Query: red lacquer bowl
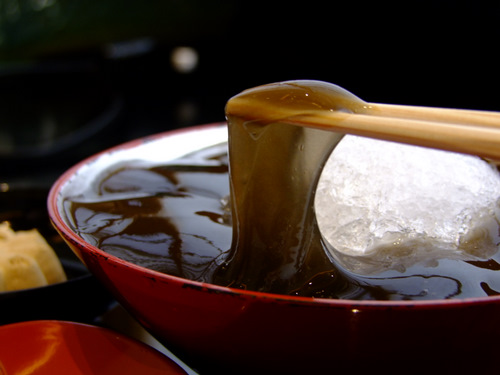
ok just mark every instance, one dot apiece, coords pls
pixel 48 347
pixel 212 327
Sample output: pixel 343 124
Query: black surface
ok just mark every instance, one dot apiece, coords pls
pixel 436 53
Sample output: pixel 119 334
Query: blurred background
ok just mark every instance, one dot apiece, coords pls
pixel 77 77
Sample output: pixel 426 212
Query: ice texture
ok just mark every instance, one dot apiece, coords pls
pixel 382 205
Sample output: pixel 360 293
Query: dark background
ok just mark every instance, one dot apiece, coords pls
pixel 65 95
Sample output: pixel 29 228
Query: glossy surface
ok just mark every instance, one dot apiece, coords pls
pixel 276 159
pixel 216 327
pixel 58 347
pixel 274 170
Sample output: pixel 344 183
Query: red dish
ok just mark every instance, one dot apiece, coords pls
pixel 216 328
pixel 57 347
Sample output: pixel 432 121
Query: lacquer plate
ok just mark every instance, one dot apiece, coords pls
pixel 60 347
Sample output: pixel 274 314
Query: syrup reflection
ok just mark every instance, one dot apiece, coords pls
pixel 413 287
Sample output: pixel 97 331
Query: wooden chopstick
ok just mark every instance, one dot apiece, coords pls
pixel 448 115
pixel 459 130
pixel 447 130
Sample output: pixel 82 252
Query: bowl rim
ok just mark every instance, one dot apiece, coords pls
pixel 59 223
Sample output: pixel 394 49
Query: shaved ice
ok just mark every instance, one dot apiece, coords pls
pixel 382 205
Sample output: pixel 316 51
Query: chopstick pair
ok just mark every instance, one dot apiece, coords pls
pixel 466 131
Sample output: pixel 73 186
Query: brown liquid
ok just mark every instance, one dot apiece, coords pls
pixel 170 218
pixel 166 218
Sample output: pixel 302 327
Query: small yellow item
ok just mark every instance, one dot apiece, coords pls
pixel 27 260
pixel 20 272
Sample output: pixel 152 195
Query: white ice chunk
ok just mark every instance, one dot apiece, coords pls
pixel 384 205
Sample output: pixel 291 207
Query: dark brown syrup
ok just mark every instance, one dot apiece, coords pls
pixel 176 218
